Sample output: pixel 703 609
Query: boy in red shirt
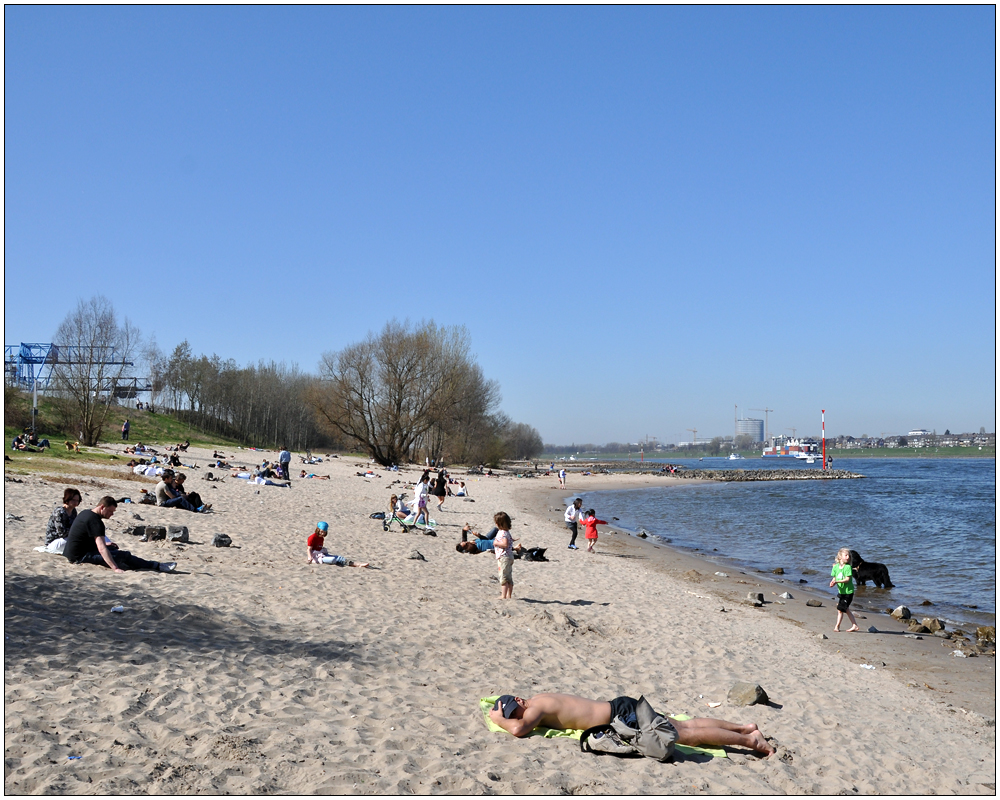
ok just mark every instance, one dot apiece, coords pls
pixel 318 554
pixel 591 522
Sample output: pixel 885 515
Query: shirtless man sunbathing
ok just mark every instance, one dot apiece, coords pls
pixel 569 712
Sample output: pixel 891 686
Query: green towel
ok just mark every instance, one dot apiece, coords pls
pixel 486 703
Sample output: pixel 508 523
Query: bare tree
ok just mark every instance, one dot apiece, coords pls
pixel 390 391
pixel 521 441
pixel 93 356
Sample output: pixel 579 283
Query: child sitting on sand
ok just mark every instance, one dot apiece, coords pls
pixel 591 522
pixel 318 553
pixel 841 573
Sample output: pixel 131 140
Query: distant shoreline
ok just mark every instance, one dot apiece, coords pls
pixel 836 454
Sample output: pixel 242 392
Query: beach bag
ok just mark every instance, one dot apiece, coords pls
pixel 377 515
pixel 649 734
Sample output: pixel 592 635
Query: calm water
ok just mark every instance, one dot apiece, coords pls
pixel 931 521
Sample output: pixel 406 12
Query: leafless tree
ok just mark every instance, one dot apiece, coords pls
pixel 94 355
pixel 397 389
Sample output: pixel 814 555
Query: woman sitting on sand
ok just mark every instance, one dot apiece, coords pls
pixel 63 516
pixel 318 553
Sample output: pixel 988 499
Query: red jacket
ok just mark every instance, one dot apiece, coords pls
pixel 591 523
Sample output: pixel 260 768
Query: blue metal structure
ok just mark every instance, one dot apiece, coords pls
pixel 28 363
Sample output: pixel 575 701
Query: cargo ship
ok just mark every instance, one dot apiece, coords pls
pixel 781 447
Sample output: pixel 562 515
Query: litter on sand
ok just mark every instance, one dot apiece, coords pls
pixel 866 666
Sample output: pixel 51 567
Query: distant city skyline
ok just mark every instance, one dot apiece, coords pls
pixel 643 215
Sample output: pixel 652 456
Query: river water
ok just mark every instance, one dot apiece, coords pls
pixel 931 521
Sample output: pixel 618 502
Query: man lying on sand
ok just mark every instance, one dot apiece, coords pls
pixel 569 712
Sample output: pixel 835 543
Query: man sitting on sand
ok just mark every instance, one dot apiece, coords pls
pixel 86 543
pixel 569 712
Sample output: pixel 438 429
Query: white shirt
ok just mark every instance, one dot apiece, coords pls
pixel 572 513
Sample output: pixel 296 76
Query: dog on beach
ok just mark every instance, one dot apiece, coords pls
pixel 869 571
pixel 73 447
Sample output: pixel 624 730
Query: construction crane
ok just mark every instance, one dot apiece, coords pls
pixel 792 430
pixel 695 432
pixel 767 428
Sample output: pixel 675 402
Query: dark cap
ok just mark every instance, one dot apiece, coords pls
pixel 507 704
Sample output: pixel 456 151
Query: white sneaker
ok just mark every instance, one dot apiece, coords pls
pixel 168 566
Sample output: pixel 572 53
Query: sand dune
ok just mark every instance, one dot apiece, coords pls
pixel 250 671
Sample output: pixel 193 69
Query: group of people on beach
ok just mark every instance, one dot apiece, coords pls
pixel 85 541
pixel 82 537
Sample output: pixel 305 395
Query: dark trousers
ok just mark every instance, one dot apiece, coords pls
pixel 123 558
pixel 572 528
pixel 125 435
pixel 286 471
pixel 179 502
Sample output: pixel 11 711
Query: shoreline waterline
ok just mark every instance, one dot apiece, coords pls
pixel 917 662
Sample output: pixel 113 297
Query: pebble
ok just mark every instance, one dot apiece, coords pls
pixel 722 574
pixel 785 596
pixel 872 629
pixel 822 636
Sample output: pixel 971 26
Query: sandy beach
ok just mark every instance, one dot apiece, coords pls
pixel 249 671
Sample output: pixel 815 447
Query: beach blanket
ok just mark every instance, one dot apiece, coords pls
pixel 486 703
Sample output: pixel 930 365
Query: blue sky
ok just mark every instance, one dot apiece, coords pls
pixel 644 216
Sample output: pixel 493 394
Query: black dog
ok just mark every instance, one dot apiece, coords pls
pixel 869 571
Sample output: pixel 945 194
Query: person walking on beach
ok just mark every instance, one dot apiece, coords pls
pixel 318 553
pixel 591 522
pixel 562 478
pixel 571 517
pixel 440 490
pixel 503 549
pixel 842 575
pixel 420 492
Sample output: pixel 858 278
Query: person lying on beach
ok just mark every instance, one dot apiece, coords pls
pixel 520 717
pixel 87 543
pixel 482 542
pixel 318 553
pixel 303 474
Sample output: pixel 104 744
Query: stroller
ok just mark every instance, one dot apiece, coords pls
pixel 408 523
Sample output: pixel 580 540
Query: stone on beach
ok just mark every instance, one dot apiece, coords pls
pixel 178 533
pixel 932 624
pixel 755 598
pixel 814 603
pixel 221 540
pixel 900 612
pixel 747 694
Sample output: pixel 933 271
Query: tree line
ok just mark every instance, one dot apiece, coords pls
pixel 405 393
